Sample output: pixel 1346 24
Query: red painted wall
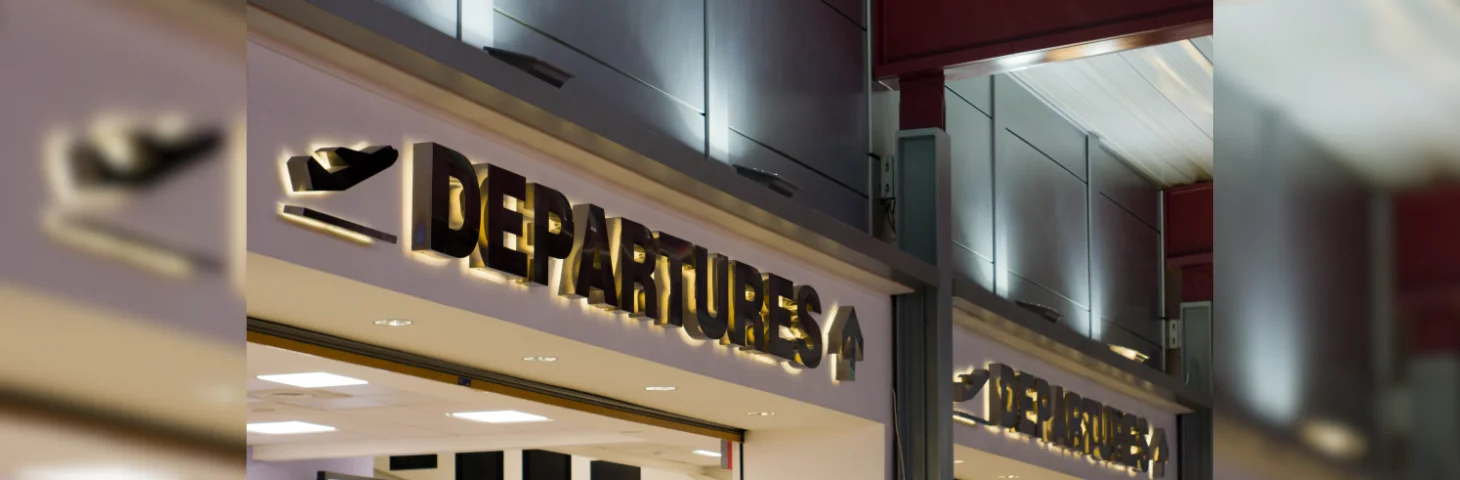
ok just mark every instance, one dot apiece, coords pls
pixel 927 35
pixel 1427 239
pixel 1427 267
pixel 1189 239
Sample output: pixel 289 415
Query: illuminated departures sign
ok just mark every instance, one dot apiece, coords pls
pixel 513 226
pixel 1030 406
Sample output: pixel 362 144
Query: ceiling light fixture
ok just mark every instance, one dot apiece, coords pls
pixel 1008 476
pixel 541 359
pixel 956 462
pixel 708 453
pixel 500 416
pixel 288 428
pixel 659 389
pixel 313 380
pixel 760 414
pixel 393 322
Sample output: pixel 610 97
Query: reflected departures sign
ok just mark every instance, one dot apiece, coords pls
pixel 1025 404
pixel 508 224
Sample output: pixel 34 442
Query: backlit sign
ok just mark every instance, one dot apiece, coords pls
pixel 1022 403
pixel 502 222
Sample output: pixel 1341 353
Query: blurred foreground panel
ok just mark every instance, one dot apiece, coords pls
pixel 118 239
pixel 1337 212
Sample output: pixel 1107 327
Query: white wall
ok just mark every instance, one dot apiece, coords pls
pixel 294 106
pixel 971 350
pixel 858 453
pixel 309 469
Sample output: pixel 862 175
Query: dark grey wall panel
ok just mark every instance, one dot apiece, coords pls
pixel 439 14
pixel 1075 316
pixel 793 73
pixel 1020 111
pixel 978 91
pixel 1112 334
pixel 1126 277
pixel 1114 179
pixel 1040 219
pixel 660 42
pixel 855 10
pixel 599 85
pixel 817 191
pixel 970 141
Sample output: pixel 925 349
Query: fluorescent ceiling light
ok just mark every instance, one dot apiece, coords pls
pixel 659 388
pixel 543 359
pixel 707 453
pixel 313 380
pixel 288 428
pixel 393 322
pixel 501 416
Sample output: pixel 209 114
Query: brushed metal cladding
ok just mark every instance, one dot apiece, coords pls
pixel 974 267
pixel 1206 47
pixel 369 29
pixel 855 10
pixel 439 14
pixel 660 42
pixel 595 84
pixel 970 135
pixel 1126 281
pixel 1115 179
pixel 978 91
pixel 1022 112
pixel 1076 317
pixel 816 191
pixel 1112 334
pixel 1040 215
pixel 793 73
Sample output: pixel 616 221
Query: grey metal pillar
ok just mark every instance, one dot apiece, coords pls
pixel 923 371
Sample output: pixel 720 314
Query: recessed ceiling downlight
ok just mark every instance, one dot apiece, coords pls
pixel 288 428
pixel 500 416
pixel 393 322
pixel 313 380
pixel 707 453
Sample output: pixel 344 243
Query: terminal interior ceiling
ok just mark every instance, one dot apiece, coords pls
pixel 370 412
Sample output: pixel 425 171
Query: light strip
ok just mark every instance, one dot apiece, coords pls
pixel 288 428
pixel 313 380
pixel 501 416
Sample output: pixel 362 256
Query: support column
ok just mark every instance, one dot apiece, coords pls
pixel 923 331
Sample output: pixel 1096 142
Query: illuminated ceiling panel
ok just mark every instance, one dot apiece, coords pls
pixel 1377 82
pixel 1152 106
